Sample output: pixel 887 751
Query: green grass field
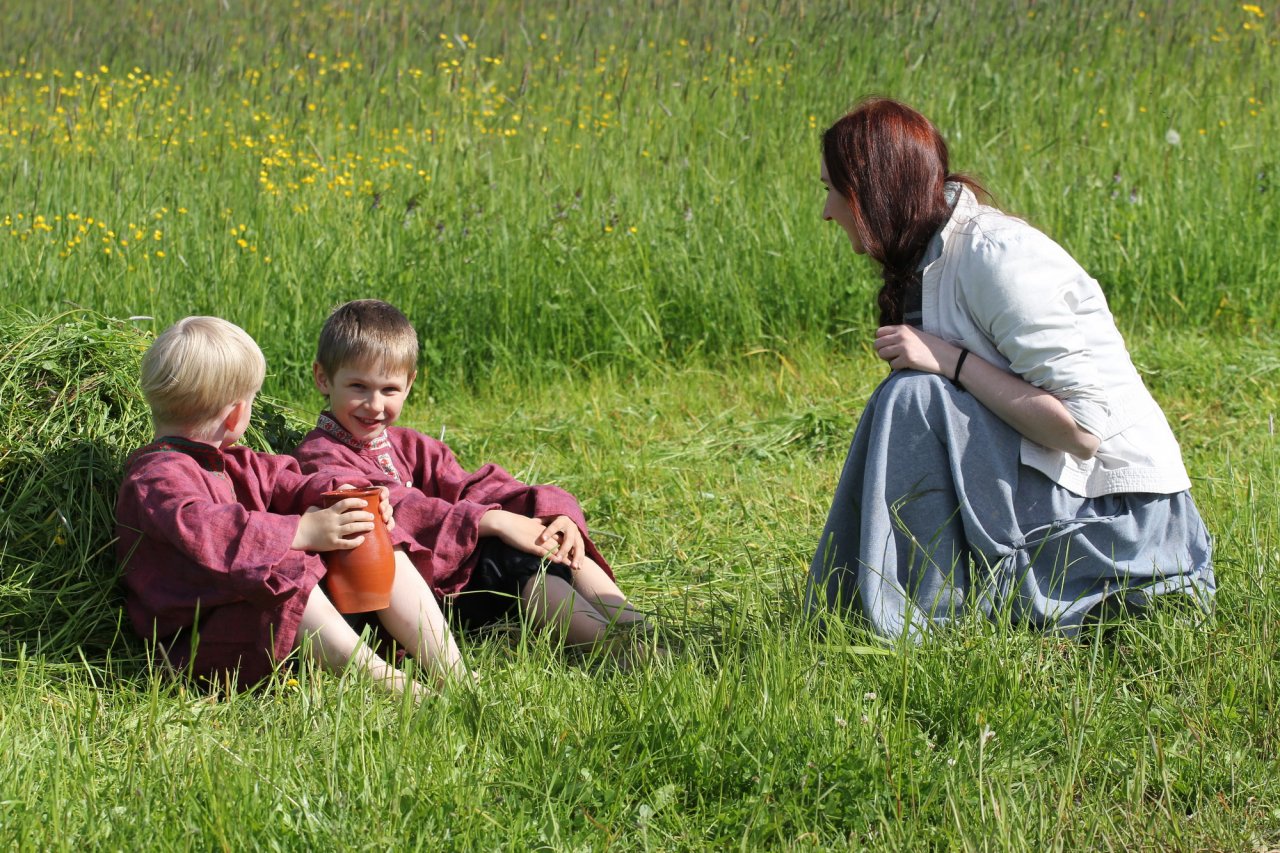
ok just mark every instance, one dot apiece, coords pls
pixel 604 220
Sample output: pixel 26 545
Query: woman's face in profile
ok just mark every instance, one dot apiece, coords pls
pixel 837 209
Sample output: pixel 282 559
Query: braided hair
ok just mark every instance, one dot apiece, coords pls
pixel 890 163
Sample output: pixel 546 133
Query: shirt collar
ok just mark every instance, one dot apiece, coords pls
pixel 328 424
pixel 209 457
pixel 964 206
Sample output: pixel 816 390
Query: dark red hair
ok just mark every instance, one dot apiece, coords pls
pixel 890 163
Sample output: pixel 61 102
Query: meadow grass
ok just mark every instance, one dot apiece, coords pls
pixel 706 488
pixel 552 184
pixel 634 303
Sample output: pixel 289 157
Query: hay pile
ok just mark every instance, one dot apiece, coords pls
pixel 70 413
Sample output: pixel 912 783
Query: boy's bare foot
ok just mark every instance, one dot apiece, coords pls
pixel 636 644
pixel 400 683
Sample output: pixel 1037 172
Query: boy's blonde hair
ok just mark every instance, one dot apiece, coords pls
pixel 197 367
pixel 368 333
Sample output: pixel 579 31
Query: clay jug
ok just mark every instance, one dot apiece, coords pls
pixel 359 580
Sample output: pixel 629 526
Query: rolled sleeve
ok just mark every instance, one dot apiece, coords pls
pixel 1035 303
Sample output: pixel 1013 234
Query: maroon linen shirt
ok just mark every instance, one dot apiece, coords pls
pixel 204 536
pixel 438 504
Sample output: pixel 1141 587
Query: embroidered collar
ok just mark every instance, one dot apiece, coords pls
pixel 327 423
pixel 210 458
pixel 379 447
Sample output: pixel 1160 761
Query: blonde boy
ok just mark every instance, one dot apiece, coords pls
pixel 220 543
pixel 478 538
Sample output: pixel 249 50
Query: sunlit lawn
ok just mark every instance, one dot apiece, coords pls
pixel 604 221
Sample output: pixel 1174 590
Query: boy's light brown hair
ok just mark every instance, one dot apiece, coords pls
pixel 196 368
pixel 368 333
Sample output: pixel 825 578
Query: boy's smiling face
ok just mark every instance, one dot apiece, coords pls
pixel 364 399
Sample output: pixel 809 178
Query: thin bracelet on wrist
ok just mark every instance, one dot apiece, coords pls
pixel 955 375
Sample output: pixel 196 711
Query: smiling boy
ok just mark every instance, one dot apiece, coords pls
pixel 220 543
pixel 487 543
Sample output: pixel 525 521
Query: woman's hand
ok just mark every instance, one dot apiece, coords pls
pixel 908 348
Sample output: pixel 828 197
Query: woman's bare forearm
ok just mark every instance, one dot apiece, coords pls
pixel 1033 412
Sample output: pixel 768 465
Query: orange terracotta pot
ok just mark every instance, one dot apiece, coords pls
pixel 359 580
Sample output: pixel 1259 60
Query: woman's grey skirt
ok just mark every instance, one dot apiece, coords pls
pixel 936 515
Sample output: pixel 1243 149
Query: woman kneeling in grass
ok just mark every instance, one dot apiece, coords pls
pixel 1013 460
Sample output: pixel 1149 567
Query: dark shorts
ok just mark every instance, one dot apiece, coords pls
pixel 493 591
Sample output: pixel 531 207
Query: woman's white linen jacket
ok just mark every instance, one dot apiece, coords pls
pixel 1007 293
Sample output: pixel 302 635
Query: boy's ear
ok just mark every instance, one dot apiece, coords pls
pixel 412 376
pixel 321 380
pixel 234 412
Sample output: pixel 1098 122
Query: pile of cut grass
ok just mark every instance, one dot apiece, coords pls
pixel 70 414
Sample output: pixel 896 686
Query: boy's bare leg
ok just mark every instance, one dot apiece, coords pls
pixel 585 616
pixel 415 620
pixel 593 584
pixel 334 644
pixel 549 602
